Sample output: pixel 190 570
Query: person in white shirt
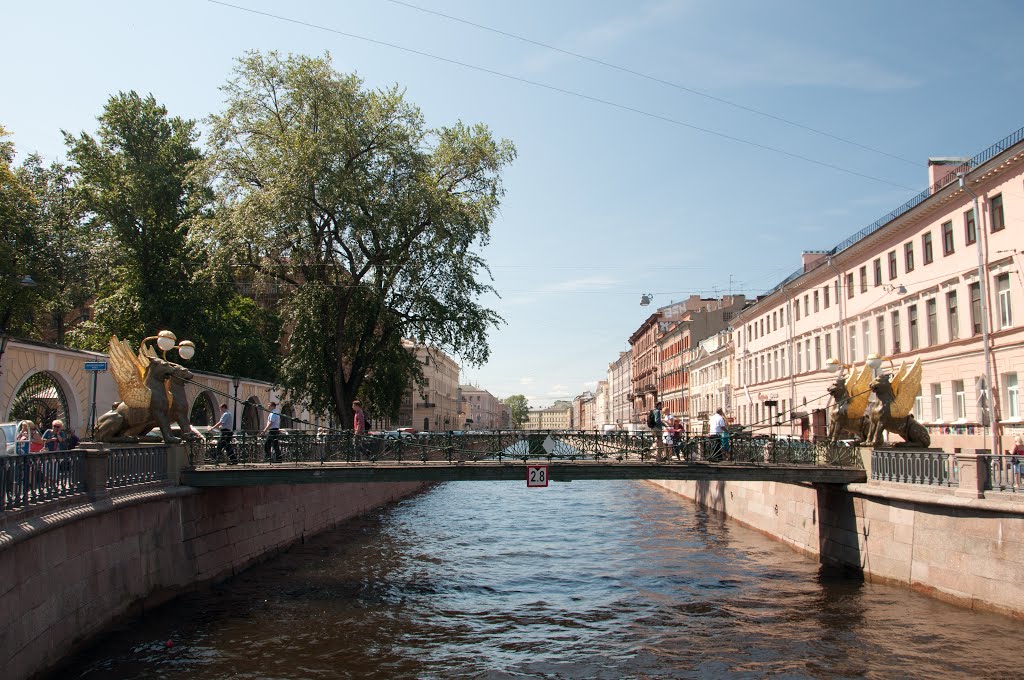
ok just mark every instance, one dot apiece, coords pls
pixel 226 425
pixel 273 432
pixel 720 430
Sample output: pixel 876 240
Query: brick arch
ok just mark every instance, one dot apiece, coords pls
pixel 65 383
pixel 204 408
pixel 251 420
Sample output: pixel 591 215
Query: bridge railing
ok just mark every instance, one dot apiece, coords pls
pixel 1002 472
pixel 33 478
pixel 930 468
pixel 501 445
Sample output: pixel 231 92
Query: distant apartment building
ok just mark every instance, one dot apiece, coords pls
pixel 481 410
pixel 558 416
pixel 905 287
pixel 620 387
pixel 710 379
pixel 602 405
pixel 434 406
pixel 583 411
pixel 662 348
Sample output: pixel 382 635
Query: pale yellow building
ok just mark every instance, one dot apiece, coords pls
pixel 556 417
pixel 434 406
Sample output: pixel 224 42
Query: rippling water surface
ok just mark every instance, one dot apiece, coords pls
pixel 580 580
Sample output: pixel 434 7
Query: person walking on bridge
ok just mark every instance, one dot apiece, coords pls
pixel 657 425
pixel 720 433
pixel 273 430
pixel 226 425
pixel 359 428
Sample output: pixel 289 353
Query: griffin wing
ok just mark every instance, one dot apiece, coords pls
pixel 859 389
pixel 905 391
pixel 129 373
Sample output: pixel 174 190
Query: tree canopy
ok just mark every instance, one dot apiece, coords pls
pixel 520 408
pixel 369 222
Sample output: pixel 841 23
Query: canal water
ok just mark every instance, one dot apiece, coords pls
pixel 581 580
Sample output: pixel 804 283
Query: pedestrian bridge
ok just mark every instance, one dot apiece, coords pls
pixel 510 455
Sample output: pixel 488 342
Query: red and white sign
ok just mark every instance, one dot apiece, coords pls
pixel 536 475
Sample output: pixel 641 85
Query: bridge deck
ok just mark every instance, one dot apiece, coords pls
pixel 558 471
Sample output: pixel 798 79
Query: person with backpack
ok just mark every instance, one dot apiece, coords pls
pixel 657 425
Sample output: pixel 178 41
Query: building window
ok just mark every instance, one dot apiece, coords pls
pixel 932 310
pixel 849 285
pixel 970 230
pixel 828 346
pixel 866 326
pixel 799 362
pixel 947 238
pixel 1005 311
pixel 807 353
pixel 878 271
pixel 837 290
pixel 892 265
pixel 817 353
pixel 937 402
pixel 926 247
pixel 880 324
pixel 975 291
pixel 912 316
pixel 1012 396
pixel 919 404
pixel 797 311
pixel 896 332
pixel 864 279
pixel 954 316
pixel 908 256
pixel 853 343
pixel 996 213
pixel 816 299
pixel 825 292
pixel 960 400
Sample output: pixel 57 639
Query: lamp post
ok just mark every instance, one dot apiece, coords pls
pixel 986 345
pixel 236 381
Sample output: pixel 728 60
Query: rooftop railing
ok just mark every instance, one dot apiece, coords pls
pixel 977 160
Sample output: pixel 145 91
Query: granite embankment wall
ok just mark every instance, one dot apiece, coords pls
pixel 66 576
pixel 964 550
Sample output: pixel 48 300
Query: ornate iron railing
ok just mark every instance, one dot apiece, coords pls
pixel 930 468
pixel 40 477
pixel 1003 472
pixel 138 465
pixel 513 445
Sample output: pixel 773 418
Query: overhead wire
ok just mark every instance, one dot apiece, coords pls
pixel 655 79
pixel 566 91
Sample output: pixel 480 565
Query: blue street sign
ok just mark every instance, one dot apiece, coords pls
pixel 96 366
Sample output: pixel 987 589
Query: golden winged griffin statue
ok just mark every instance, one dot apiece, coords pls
pixel 893 409
pixel 850 395
pixel 855 413
pixel 152 392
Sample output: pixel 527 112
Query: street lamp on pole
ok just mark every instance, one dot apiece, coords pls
pixel 236 381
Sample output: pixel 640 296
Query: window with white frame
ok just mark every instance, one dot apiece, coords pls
pixel 853 343
pixel 960 400
pixel 953 315
pixel 919 404
pixel 880 324
pixel 828 345
pixel 807 353
pixel 937 402
pixel 817 353
pixel 1005 311
pixel 799 360
pixel 1012 396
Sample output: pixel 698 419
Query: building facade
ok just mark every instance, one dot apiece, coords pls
pixel 555 417
pixel 939 279
pixel 481 409
pixel 434 406
pixel 620 386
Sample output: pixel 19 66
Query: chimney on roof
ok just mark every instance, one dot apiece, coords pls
pixel 809 259
pixel 943 169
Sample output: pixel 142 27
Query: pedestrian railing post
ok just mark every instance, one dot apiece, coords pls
pixel 96 461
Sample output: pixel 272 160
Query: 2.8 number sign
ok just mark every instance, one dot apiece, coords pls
pixel 536 475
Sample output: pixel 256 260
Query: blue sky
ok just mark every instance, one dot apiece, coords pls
pixel 604 203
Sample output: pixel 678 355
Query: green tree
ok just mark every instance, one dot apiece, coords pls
pixel 134 178
pixel 66 267
pixel 370 220
pixel 520 408
pixel 18 248
pixel 137 181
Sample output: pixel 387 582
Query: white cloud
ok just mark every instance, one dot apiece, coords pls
pixel 527 381
pixel 586 283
